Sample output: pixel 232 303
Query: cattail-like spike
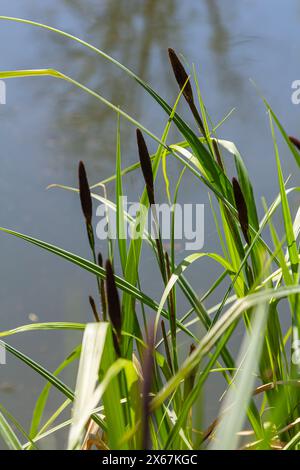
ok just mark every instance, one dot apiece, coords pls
pixel 114 308
pixel 241 208
pixel 94 309
pixel 181 76
pixel 85 194
pixel 183 81
pixel 295 142
pixel 217 154
pixel 189 381
pixel 146 166
pixel 100 260
pixel 86 204
pixel 102 290
pixel 148 372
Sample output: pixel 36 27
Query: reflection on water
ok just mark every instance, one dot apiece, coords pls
pixel 220 37
pixel 137 34
pixel 47 126
pixel 219 43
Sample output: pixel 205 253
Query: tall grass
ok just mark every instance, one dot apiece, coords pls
pixel 133 389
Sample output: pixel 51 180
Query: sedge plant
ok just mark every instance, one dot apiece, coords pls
pixel 133 388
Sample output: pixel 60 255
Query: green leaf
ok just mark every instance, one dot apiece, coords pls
pixel 86 394
pixel 42 399
pixel 121 235
pixel 289 231
pixel 43 327
pixel 233 411
pixel 114 412
pixel 8 435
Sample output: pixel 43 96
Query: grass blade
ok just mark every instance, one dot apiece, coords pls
pixel 233 411
pixel 85 397
pixel 8 435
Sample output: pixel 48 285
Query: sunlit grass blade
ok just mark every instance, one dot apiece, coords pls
pixel 244 180
pixel 8 435
pixel 233 412
pixel 43 397
pixel 57 383
pixel 17 425
pixel 43 327
pixel 114 410
pixel 291 242
pixel 121 227
pixel 85 397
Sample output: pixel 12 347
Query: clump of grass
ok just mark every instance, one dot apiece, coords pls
pixel 261 384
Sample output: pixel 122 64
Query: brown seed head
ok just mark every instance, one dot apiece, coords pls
pixel 295 141
pixel 85 194
pixel 185 85
pixel 100 260
pixel 94 308
pixel 217 154
pixel 146 165
pixel 113 301
pixel 181 76
pixel 241 208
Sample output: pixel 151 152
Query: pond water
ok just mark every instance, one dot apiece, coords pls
pixel 47 126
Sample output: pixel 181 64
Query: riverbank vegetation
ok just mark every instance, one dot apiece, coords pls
pixel 133 390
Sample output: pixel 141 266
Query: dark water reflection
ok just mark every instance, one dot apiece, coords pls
pixel 47 126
